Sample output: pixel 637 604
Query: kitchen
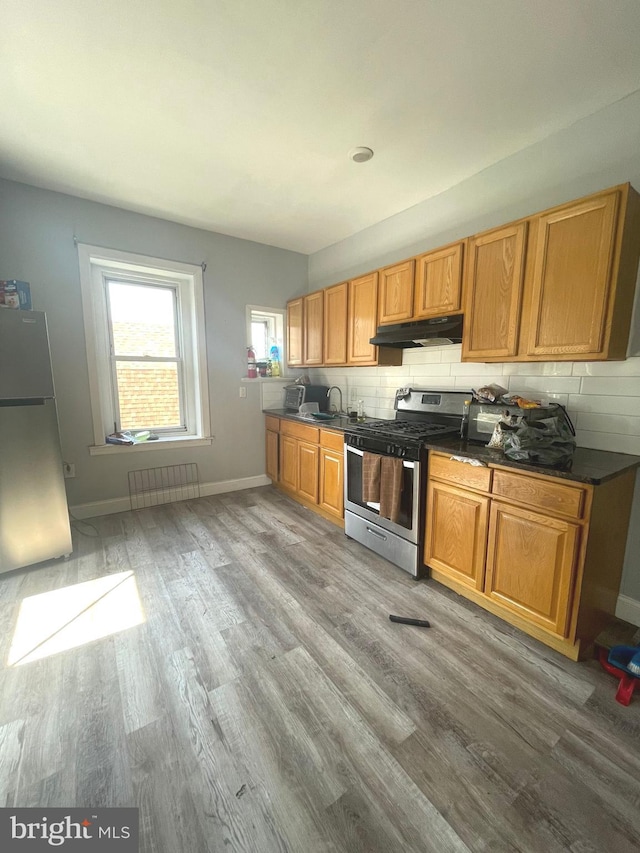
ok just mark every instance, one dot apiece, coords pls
pixel 435 770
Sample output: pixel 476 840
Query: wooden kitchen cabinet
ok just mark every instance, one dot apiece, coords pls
pixel 311 465
pixel 331 496
pixel 456 533
pixel 494 283
pixel 531 561
pixel 363 320
pixel 576 289
pixel 336 304
pixel 333 327
pixel 308 475
pixel 543 553
pixel 438 282
pixel 396 292
pixel 558 286
pixel 295 354
pixel 288 463
pixel 313 326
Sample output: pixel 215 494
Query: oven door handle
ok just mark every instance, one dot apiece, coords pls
pixel 361 453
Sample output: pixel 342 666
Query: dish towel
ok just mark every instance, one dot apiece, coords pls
pixel 390 487
pixel 371 477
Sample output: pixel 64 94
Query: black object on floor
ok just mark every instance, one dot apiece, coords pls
pixel 421 623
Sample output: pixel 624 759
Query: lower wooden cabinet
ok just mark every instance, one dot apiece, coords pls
pixel 288 463
pixel 456 537
pixel 308 455
pixel 307 463
pixel 542 553
pixel 331 497
pixel 531 563
pixel 272 454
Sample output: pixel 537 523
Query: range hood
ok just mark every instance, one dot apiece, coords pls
pixel 420 333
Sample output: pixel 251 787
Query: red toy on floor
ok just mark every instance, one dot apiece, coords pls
pixel 627 680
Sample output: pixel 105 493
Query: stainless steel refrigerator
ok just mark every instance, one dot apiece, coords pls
pixel 34 520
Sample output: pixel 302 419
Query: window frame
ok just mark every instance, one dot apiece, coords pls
pixel 97 267
pixel 277 317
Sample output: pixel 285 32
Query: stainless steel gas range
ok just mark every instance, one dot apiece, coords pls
pixel 398 534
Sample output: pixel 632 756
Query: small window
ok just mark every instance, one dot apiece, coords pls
pixel 144 323
pixel 265 329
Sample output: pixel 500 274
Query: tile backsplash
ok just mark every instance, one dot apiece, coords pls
pixel 602 398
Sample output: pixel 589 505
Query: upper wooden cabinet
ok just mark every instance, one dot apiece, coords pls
pixel 555 286
pixel 495 275
pixel 396 292
pixel 573 282
pixel 333 327
pixel 294 331
pixel 336 300
pixel 564 294
pixel 313 320
pixel 438 282
pixel 363 317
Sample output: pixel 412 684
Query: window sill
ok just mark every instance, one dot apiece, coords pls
pixel 161 444
pixel 259 379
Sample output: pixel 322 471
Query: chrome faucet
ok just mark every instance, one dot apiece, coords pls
pixel 329 396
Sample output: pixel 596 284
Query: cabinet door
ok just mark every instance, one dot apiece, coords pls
pixel 272 455
pixel 531 562
pixel 331 482
pixel 289 462
pixel 571 282
pixel 495 272
pixel 363 318
pixel 438 288
pixel 313 327
pixel 396 292
pixel 335 323
pixel 308 470
pixel 294 331
pixel 456 537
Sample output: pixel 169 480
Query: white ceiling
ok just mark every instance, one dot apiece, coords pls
pixel 237 115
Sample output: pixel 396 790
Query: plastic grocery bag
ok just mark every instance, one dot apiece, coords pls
pixel 549 441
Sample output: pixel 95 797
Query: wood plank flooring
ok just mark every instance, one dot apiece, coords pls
pixel 266 703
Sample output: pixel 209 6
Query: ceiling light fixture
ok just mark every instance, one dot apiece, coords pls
pixel 360 155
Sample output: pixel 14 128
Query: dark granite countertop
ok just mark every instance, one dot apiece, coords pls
pixel 340 424
pixel 586 466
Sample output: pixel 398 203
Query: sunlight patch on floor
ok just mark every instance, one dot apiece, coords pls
pixel 70 617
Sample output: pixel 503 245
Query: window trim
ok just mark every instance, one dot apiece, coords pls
pixel 279 317
pixel 95 264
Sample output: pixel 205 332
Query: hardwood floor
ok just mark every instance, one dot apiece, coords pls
pixel 266 703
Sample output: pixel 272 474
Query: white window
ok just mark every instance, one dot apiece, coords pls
pixel 144 325
pixel 265 329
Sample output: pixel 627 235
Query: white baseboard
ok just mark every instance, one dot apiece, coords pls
pixel 112 505
pixel 628 609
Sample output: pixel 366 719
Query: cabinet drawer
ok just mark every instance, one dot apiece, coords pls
pixel 332 440
pixel 302 431
pixel 542 494
pixel 272 423
pixel 462 473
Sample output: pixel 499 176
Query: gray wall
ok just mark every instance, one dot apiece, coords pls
pixel 36 245
pixel 604 400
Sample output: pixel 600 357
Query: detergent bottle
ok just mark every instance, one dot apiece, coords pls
pixel 274 355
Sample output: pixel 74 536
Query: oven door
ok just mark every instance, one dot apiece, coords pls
pixel 407 525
